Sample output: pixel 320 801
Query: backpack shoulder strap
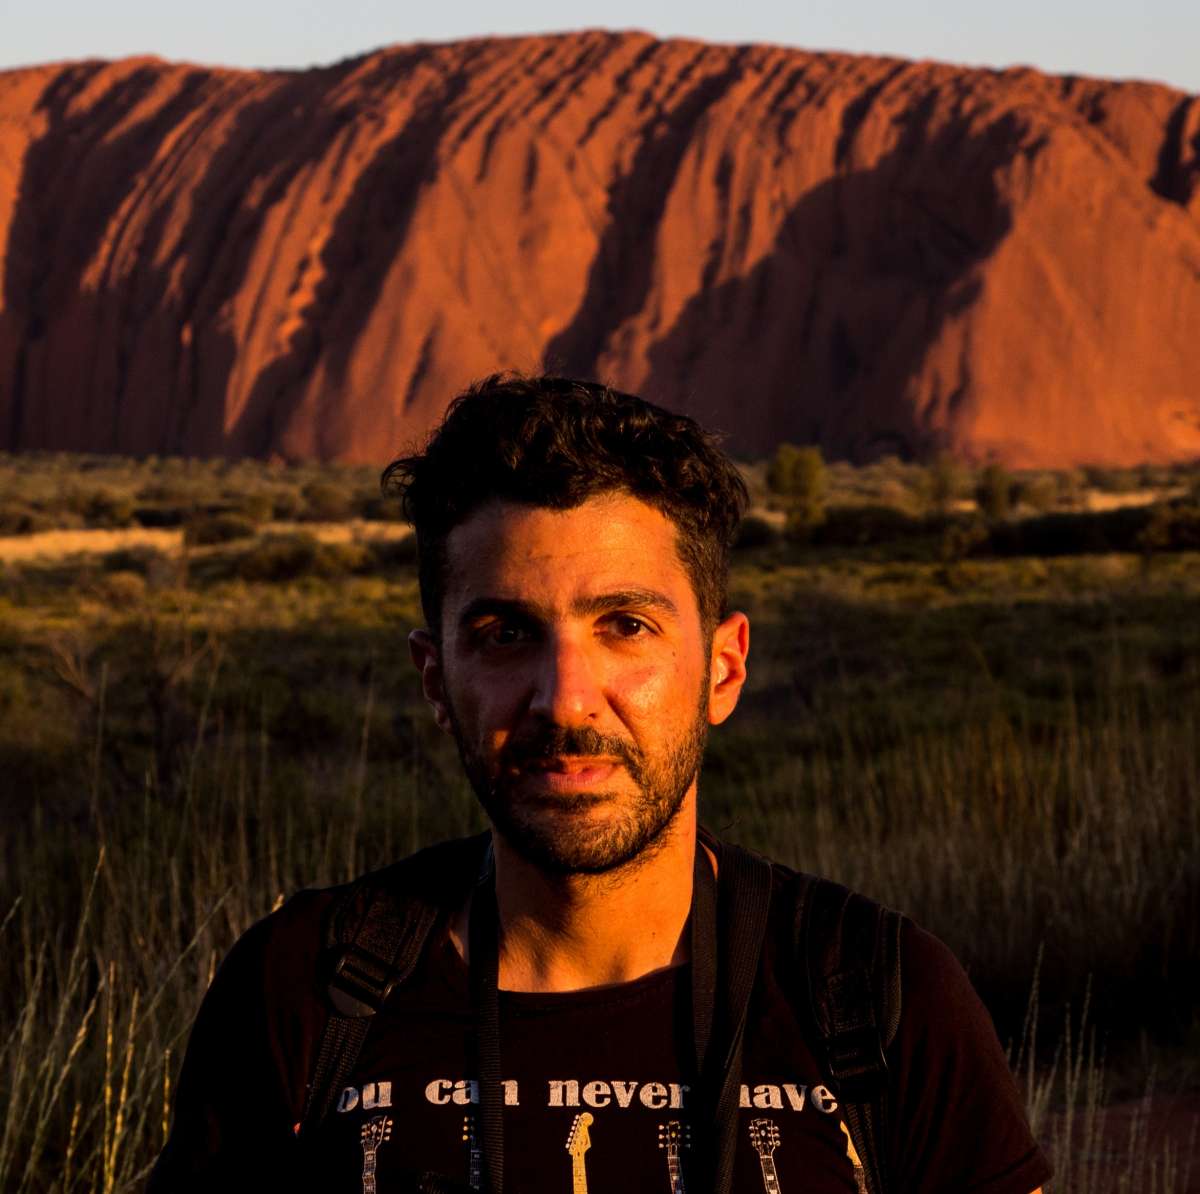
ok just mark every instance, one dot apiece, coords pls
pixel 374 935
pixel 742 911
pixel 851 949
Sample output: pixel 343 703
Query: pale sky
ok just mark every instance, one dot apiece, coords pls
pixel 1154 39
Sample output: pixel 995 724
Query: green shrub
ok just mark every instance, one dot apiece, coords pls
pixel 756 531
pixel 1170 527
pixel 1039 492
pixel 1112 480
pixel 1155 476
pixel 962 538
pixel 142 559
pixel 1060 533
pixel 19 518
pixel 340 559
pixel 1072 486
pixel 798 475
pixel 377 508
pixel 797 472
pixel 123 588
pixel 863 526
pixel 393 553
pixel 280 557
pixel 994 494
pixel 204 530
pixel 101 507
pixel 326 502
pixel 286 503
pixel 258 507
pixel 161 516
pixel 945 482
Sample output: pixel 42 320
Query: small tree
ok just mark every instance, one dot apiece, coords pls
pixel 995 493
pixel 798 475
pixel 945 482
pixel 1039 493
pixel 1072 485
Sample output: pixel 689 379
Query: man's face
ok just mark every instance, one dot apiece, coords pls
pixel 575 676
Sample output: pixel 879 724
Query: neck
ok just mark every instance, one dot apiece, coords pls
pixel 568 932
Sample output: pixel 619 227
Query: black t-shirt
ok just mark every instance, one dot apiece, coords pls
pixel 596 1082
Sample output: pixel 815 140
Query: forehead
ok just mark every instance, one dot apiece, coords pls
pixel 610 542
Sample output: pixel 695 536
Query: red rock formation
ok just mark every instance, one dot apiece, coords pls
pixel 874 254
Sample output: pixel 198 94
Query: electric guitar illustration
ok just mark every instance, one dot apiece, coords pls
pixel 764 1135
pixel 672 1137
pixel 374 1133
pixel 578 1142
pixel 860 1177
pixel 474 1156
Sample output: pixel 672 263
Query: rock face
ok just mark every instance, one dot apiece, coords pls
pixel 872 254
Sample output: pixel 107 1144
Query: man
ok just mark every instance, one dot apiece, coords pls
pixel 558 1028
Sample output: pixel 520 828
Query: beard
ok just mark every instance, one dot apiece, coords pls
pixel 552 832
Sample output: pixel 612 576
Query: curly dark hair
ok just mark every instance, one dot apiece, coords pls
pixel 555 441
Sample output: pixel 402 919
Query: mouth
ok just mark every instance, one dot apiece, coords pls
pixel 570 773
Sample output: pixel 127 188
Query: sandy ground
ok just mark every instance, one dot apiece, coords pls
pixel 51 545
pixel 1094 500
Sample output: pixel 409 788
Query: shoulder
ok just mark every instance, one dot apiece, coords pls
pixel 917 981
pixel 957 1119
pixel 281 954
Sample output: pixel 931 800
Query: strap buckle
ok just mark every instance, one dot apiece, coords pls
pixel 361 983
pixel 857 1063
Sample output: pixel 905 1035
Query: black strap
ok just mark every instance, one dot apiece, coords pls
pixel 727 929
pixel 703 938
pixel 848 948
pixel 483 936
pixel 374 938
pixel 851 945
pixel 743 905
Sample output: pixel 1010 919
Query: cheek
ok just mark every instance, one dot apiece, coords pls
pixel 659 692
pixel 484 706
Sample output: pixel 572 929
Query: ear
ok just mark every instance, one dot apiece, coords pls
pixel 727 666
pixel 427 658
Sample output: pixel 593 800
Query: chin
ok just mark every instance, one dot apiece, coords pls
pixel 582 836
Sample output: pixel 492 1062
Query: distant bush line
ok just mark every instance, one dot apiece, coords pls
pixel 1166 526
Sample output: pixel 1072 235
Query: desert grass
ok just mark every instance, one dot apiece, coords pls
pixel 115 953
pixel 1006 749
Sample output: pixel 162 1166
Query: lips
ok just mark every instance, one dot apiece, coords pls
pixel 571 773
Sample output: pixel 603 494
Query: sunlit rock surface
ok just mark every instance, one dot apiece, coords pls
pixel 877 255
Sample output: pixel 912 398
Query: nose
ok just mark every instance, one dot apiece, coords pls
pixel 566 685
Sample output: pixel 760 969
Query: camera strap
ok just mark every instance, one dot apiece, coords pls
pixel 727 926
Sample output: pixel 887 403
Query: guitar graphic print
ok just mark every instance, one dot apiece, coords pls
pixel 474 1155
pixel 860 1177
pixel 672 1137
pixel 374 1133
pixel 764 1135
pixel 578 1142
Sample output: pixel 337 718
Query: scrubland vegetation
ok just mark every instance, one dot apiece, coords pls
pixel 973 695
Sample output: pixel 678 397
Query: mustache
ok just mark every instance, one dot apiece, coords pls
pixel 548 741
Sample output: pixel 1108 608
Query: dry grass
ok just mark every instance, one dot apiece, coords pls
pixel 1000 838
pixel 1004 748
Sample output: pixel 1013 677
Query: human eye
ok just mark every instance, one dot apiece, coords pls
pixel 497 633
pixel 627 626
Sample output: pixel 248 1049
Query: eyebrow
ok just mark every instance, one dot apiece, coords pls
pixel 600 603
